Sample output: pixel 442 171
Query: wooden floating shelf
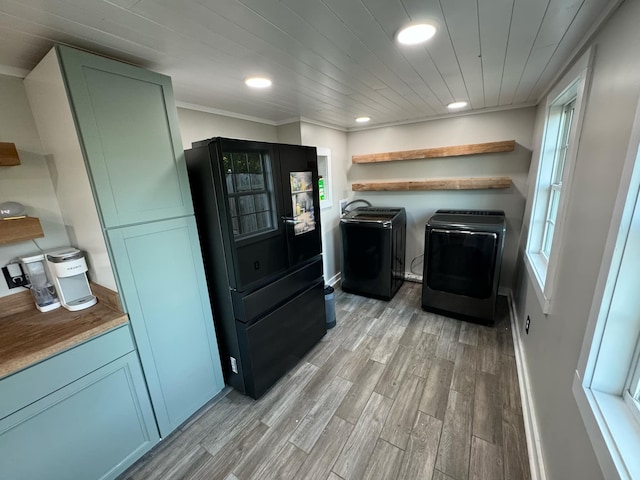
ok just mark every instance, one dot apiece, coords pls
pixel 482 183
pixel 8 155
pixel 440 152
pixel 20 230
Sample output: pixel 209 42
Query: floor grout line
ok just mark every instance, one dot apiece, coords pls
pixel 409 361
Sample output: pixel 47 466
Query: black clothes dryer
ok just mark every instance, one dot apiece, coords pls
pixel 462 260
pixel 373 251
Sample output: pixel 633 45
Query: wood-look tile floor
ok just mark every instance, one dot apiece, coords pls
pixel 392 392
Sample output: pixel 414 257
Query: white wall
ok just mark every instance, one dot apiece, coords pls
pixel 198 125
pixel 553 345
pixel 466 129
pixel 28 183
pixel 336 141
pixel 290 133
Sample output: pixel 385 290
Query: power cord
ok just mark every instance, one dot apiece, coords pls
pixel 412 264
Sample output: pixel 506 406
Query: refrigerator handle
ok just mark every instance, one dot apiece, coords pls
pixel 291 220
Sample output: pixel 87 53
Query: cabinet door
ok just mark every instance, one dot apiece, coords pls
pixel 128 128
pixel 162 284
pixel 94 428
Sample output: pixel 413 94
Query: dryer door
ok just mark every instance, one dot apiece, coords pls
pixel 461 262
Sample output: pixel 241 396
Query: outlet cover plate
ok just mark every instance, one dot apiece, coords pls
pixel 14 281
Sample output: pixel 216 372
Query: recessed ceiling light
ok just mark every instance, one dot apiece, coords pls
pixel 417 33
pixel 456 105
pixel 257 82
pixel 363 119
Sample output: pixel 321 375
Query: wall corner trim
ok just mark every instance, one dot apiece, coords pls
pixel 534 447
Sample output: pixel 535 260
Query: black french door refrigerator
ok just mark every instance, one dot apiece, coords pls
pixel 258 215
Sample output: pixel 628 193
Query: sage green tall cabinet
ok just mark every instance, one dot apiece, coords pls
pixel 126 122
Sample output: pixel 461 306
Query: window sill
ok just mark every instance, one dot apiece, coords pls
pixel 613 430
pixel 537 268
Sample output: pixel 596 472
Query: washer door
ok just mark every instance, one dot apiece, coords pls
pixel 462 262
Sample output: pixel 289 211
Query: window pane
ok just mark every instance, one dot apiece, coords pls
pixel 228 169
pixel 255 163
pixel 261 202
pixel 246 204
pixel 548 238
pixel 553 206
pixel 563 142
pixel 241 172
pixel 554 191
pixel 257 181
pixel 264 220
pixel 250 193
pixel 248 223
pixel 552 215
pixel 232 207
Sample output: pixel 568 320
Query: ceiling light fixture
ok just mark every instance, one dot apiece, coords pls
pixel 416 33
pixel 257 82
pixel 456 105
pixel 363 119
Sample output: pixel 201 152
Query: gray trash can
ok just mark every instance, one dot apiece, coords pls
pixel 330 306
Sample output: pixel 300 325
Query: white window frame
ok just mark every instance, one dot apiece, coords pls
pixel 542 268
pixel 555 186
pixel 324 169
pixel 608 365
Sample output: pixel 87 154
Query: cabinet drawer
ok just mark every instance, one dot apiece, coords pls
pixel 29 385
pixel 248 307
pixel 277 342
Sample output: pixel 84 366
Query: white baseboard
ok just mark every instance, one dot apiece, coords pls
pixel 536 459
pixel 333 280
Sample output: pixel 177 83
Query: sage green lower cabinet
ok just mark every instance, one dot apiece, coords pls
pixel 162 283
pixel 93 428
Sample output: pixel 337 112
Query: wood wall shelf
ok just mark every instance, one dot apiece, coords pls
pixel 20 230
pixel 8 155
pixel 440 152
pixel 482 183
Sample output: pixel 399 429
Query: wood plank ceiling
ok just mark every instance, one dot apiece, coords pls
pixel 330 60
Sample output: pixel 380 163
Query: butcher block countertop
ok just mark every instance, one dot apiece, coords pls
pixel 28 336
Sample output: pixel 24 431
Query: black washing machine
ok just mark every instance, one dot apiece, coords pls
pixel 462 260
pixel 373 251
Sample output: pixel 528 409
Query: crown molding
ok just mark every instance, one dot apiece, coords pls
pixel 226 113
pixel 13 71
pixel 444 116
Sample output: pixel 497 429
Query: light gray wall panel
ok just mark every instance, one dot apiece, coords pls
pixel 554 342
pixel 489 127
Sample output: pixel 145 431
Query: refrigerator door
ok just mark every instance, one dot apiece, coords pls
pixel 299 179
pixel 253 201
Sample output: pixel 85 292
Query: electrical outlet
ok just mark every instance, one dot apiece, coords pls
pixel 526 325
pixel 14 276
pixel 343 202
